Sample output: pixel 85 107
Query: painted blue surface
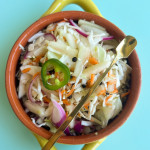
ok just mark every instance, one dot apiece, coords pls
pixel 132 16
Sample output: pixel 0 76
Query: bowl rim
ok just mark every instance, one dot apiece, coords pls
pixel 11 89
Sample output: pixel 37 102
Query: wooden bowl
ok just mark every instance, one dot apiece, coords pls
pixel 11 71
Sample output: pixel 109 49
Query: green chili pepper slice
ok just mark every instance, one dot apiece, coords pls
pixel 54 74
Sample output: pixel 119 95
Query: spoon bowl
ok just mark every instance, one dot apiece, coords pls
pixel 124 50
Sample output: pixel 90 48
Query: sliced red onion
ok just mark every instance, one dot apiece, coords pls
pixel 78 127
pixel 58 114
pixel 35 36
pixel 50 36
pixel 67 131
pixel 26 54
pixel 108 38
pixel 29 94
pixel 80 31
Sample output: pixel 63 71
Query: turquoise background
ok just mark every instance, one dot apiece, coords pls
pixel 132 16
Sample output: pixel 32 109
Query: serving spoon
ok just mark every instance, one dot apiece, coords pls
pixel 123 50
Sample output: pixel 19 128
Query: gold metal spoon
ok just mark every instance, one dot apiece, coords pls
pixel 123 50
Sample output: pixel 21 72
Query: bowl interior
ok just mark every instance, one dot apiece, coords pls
pixel 11 71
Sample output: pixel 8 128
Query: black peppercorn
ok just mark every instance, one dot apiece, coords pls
pixel 71 76
pixel 69 97
pixel 74 59
pixel 107 93
pixel 83 85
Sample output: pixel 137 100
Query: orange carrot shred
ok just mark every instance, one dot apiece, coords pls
pixel 107 98
pixel 114 91
pixel 108 104
pixel 66 102
pixel 102 92
pixel 69 84
pixel 67 114
pixel 111 82
pixel 37 59
pixel 93 61
pixel 79 115
pixel 71 91
pixel 91 81
pixel 125 94
pixel 110 75
pixel 26 70
pixel 73 79
pixel 86 106
pixel 63 91
pixel 46 99
pixel 36 74
pixel 30 63
pixel 64 38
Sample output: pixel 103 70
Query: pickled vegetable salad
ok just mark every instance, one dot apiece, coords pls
pixel 50 95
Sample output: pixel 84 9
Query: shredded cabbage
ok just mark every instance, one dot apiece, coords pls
pixel 74 50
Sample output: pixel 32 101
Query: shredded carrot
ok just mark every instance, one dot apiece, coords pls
pixel 73 79
pixel 63 91
pixel 36 74
pixel 57 90
pixel 111 82
pixel 114 91
pixel 125 94
pixel 67 113
pixel 46 99
pixel 107 98
pixel 79 115
pixel 108 104
pixel 110 75
pixel 37 59
pixel 86 106
pixel 71 91
pixel 93 61
pixel 30 63
pixel 88 83
pixel 66 102
pixel 75 40
pixel 91 81
pixel 69 84
pixel 26 70
pixel 102 92
pixel 64 38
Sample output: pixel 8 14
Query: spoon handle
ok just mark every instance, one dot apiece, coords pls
pixel 62 128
